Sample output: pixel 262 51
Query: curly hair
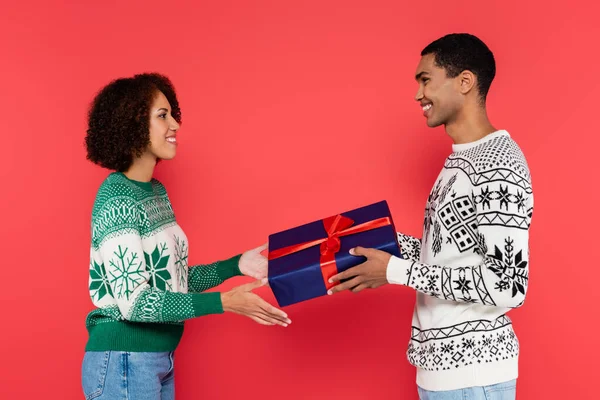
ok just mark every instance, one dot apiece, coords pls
pixel 119 118
pixel 458 52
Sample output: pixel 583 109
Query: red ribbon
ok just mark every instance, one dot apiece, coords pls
pixel 336 226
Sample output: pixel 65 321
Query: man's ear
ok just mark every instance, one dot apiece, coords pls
pixel 467 81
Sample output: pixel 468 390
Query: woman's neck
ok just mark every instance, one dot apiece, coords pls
pixel 142 168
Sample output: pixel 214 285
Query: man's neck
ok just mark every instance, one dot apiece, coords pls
pixel 469 127
pixel 142 169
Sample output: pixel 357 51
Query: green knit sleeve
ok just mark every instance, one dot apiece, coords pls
pixel 203 277
pixel 153 305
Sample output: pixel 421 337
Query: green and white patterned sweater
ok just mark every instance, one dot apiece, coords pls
pixel 139 278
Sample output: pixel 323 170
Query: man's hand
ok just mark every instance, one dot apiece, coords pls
pixel 368 275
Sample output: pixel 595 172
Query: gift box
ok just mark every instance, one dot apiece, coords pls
pixel 302 259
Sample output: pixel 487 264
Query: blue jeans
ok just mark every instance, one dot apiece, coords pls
pixel 128 375
pixel 500 391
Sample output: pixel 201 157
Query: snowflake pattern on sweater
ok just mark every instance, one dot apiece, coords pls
pixel 472 264
pixel 139 259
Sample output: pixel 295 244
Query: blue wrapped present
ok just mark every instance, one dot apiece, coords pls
pixel 302 259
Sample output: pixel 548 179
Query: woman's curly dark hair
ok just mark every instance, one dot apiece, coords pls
pixel 119 117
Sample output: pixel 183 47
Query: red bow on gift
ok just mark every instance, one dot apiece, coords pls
pixel 336 227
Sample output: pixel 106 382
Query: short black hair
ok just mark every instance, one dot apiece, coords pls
pixel 458 52
pixel 119 116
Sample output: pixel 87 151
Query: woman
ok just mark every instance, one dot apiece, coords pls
pixel 139 276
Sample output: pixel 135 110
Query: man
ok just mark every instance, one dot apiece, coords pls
pixel 471 266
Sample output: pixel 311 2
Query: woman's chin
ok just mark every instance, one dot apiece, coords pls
pixel 165 156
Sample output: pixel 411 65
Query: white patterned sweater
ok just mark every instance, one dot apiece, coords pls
pixel 470 268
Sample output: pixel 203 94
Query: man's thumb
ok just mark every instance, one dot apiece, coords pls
pixel 360 251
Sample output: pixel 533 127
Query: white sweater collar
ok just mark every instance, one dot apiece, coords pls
pixel 464 146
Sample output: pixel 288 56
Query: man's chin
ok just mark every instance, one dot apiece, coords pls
pixel 433 123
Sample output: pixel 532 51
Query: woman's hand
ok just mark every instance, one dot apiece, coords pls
pixel 254 264
pixel 241 300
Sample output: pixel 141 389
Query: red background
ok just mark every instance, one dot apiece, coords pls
pixel 268 89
